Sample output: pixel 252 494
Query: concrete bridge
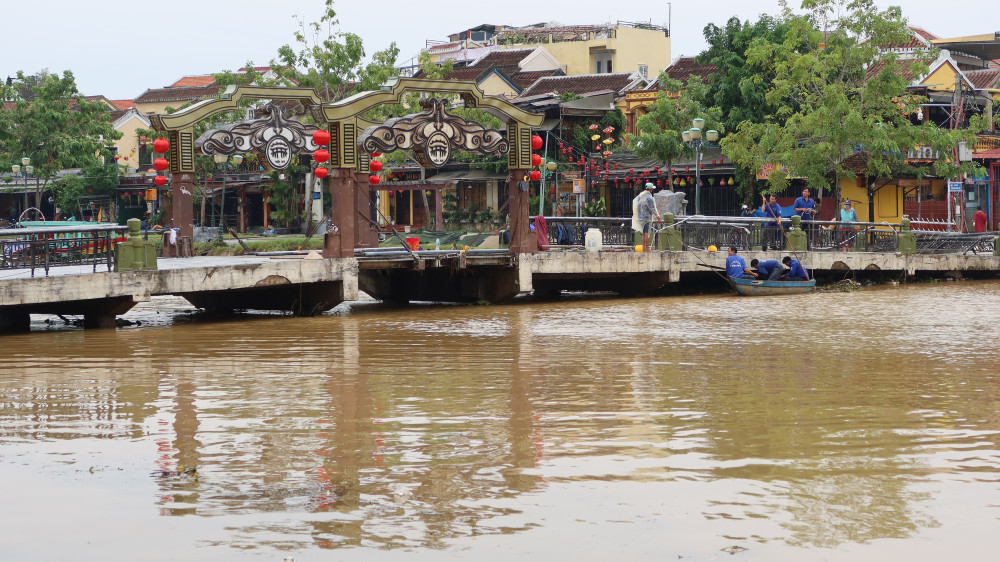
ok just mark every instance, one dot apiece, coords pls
pixel 309 286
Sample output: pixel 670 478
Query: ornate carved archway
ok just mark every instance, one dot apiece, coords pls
pixel 432 134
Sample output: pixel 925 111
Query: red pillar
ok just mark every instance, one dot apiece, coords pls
pixel 338 242
pixel 522 239
pixel 182 208
pixel 438 209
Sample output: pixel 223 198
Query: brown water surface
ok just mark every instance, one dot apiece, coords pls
pixel 858 426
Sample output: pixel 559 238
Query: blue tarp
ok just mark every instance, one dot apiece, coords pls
pixel 785 212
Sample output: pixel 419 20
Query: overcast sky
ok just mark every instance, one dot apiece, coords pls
pixel 121 49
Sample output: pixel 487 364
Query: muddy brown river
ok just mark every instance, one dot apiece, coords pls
pixel 856 426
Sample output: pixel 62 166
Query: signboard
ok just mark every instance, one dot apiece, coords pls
pixel 579 186
pixel 955 186
pixel 767 168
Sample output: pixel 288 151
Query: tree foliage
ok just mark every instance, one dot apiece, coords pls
pixel 839 92
pixel 53 124
pixel 660 129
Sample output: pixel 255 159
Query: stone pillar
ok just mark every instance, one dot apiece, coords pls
pixel 243 209
pixel 907 241
pixel 338 242
pixel 522 238
pixel 439 209
pixel 182 207
pixel 798 240
pixel 670 238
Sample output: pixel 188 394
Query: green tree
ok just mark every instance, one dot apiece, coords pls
pixel 839 92
pixel 660 129
pixel 95 179
pixel 54 125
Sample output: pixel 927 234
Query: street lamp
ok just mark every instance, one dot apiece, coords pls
pixel 224 160
pixel 693 138
pixel 28 170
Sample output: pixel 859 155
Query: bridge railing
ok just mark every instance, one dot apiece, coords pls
pixel 52 246
pixel 749 233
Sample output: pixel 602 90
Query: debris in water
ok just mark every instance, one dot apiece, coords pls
pixel 733 549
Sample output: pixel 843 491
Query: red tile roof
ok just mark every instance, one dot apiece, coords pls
pixel 580 84
pixel 684 67
pixel 905 67
pixel 178 94
pixel 524 79
pixel 503 58
pixel 982 79
pixel 924 33
pixel 991 154
pixel 194 81
pixel 123 104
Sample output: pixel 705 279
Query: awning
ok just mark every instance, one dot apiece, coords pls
pixel 548 125
pixel 466 175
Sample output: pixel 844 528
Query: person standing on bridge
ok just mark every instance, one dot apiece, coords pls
pixel 771 209
pixel 645 210
pixel 980 219
pixel 846 233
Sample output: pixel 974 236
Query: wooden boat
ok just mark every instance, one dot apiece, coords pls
pixel 761 287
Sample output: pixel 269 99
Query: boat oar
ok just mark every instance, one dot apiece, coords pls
pixel 712 266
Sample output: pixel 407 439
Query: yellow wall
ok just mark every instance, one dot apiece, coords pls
pixel 154 108
pixel 942 79
pixel 888 201
pixel 129 143
pixel 493 85
pixel 632 47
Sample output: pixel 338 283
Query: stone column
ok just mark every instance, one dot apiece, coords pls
pixel 438 209
pixel 522 239
pixel 338 242
pixel 182 208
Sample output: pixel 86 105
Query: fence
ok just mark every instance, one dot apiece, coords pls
pixel 746 233
pixel 33 248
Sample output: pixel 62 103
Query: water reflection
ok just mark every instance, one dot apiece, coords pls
pixel 827 422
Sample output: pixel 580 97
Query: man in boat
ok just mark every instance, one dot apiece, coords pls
pixel 772 270
pixel 795 270
pixel 645 212
pixel 736 267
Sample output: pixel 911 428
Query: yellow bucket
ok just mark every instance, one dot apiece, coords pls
pixel 638 247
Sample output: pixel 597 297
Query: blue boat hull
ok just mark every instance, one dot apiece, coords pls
pixel 758 287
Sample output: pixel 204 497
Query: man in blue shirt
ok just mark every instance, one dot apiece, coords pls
pixel 805 206
pixel 770 269
pixel 736 267
pixel 772 209
pixel 795 272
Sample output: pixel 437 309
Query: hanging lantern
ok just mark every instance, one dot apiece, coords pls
pixel 593 127
pixel 321 156
pixel 536 175
pixel 321 138
pixel 722 182
pixel 126 159
pixel 552 191
pixel 117 157
pixel 659 183
pixel 561 146
pixel 595 137
pixel 375 154
pixel 536 159
pixel 374 180
pixel 321 172
pixel 375 165
pixel 616 165
pixel 161 145
pixel 429 193
pixel 682 183
pixel 536 142
pixel 731 180
pixel 160 163
pixel 608 130
pixel 160 180
pixel 687 168
pixel 563 150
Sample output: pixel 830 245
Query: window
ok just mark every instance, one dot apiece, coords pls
pixel 644 70
pixel 603 61
pixel 597 67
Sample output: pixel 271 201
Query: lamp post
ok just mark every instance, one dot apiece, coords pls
pixel 225 160
pixel 693 138
pixel 28 170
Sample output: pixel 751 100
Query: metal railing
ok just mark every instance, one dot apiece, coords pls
pixel 749 233
pixel 34 248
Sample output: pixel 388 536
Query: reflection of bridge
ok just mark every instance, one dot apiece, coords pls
pixel 309 286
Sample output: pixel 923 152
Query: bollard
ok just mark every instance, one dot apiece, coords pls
pixel 798 240
pixel 907 241
pixel 670 238
pixel 135 253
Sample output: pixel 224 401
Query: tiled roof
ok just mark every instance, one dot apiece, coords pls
pixel 919 39
pixel 991 154
pixel 684 67
pixel 188 81
pixel 580 84
pixel 472 73
pixel 905 67
pixel 503 58
pixel 524 79
pixel 178 94
pixel 927 35
pixel 982 79
pixel 123 104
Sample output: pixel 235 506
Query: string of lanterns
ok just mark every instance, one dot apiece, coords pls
pixel 160 146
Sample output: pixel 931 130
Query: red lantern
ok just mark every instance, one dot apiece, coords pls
pixel 536 159
pixel 373 179
pixel 117 157
pixel 375 165
pixel 160 180
pixel 536 175
pixel 536 142
pixel 161 145
pixel 561 146
pixel 321 172
pixel 376 154
pixel 126 158
pixel 631 171
pixel 321 156
pixel 687 168
pixel 552 191
pixel 593 126
pixel 722 182
pixel 160 163
pixel 321 138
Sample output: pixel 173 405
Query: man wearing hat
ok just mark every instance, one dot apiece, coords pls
pixel 645 211
pixel 846 233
